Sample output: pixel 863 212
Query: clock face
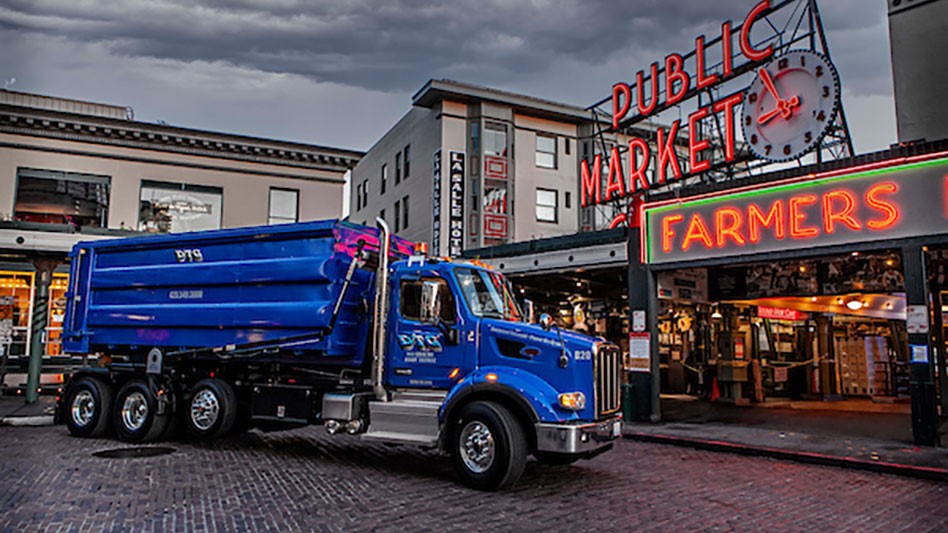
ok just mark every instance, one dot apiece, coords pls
pixel 790 105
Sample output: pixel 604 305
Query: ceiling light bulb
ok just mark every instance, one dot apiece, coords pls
pixel 854 304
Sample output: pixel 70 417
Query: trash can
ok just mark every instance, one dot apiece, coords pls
pixel 628 403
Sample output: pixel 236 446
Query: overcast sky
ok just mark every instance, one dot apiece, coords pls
pixel 340 73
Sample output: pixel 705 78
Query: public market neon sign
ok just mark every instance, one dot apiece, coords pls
pixel 897 198
pixel 678 84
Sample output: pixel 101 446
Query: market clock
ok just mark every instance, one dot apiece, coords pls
pixel 790 105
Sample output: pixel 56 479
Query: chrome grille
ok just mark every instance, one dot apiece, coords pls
pixel 608 379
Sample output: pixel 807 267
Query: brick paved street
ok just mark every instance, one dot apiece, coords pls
pixel 305 480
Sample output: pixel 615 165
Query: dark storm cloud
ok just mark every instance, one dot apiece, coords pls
pixel 395 45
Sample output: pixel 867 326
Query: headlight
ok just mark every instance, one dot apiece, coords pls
pixel 574 401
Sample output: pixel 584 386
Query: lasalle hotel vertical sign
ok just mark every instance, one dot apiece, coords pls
pixel 456 164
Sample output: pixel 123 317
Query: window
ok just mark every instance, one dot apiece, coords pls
pixel 384 179
pixel 546 205
pixel 567 202
pixel 398 215
pixel 382 215
pixel 409 300
pixel 365 193
pixel 178 207
pixel 407 161
pixel 398 168
pixel 53 197
pixel 566 144
pixel 358 195
pixel 284 206
pixel 405 212
pixel 495 139
pixel 488 294
pixel 546 151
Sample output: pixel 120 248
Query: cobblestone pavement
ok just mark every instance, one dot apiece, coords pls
pixel 305 480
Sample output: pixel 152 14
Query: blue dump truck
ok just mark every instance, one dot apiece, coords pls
pixel 336 324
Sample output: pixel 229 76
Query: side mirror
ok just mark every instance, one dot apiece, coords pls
pixel 546 321
pixel 529 311
pixel 430 302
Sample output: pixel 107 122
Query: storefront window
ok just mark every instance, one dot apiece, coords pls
pixel 178 207
pixel 15 308
pixel 57 313
pixel 54 197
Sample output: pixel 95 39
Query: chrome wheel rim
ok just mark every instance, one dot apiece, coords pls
pixel 134 411
pixel 477 447
pixel 204 409
pixel 83 408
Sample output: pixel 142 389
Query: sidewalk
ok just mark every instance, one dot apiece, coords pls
pixel 872 441
pixel 14 411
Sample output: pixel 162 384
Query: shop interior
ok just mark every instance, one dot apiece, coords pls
pixel 814 330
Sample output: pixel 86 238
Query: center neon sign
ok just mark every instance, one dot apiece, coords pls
pixel 898 198
pixel 654 93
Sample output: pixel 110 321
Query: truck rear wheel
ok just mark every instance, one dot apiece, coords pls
pixel 211 409
pixel 489 447
pixel 136 415
pixel 87 407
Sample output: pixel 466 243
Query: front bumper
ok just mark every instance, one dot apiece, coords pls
pixel 577 438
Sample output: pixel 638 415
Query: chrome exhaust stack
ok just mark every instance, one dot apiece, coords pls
pixel 381 313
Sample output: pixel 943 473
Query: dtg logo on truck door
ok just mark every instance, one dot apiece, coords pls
pixel 419 341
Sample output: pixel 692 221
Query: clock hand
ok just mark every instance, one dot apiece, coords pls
pixel 768 116
pixel 769 83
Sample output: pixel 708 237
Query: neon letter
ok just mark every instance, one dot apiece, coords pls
pixel 727 105
pixel 726 53
pixel 798 217
pixel 637 178
pixel 616 182
pixel 620 89
pixel 640 89
pixel 674 73
pixel 749 51
pixel 697 230
pixel 724 229
pixel 757 220
pixel 887 208
pixel 666 152
pixel 667 232
pixel 831 216
pixel 694 145
pixel 702 81
pixel 591 185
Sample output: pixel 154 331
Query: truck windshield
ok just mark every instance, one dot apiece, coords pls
pixel 488 294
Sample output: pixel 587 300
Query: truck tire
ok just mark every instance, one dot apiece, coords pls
pixel 135 414
pixel 87 407
pixel 488 447
pixel 211 409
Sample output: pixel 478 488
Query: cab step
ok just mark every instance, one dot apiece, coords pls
pixel 411 418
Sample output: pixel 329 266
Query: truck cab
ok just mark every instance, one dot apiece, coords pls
pixel 500 382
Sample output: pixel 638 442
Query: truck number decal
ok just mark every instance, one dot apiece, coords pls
pixel 189 255
pixel 583 355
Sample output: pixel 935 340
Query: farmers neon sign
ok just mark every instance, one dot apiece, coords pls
pixel 647 97
pixel 903 197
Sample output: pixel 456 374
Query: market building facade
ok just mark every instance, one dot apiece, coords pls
pixel 73 171
pixel 822 282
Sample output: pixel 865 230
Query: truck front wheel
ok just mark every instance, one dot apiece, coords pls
pixel 211 409
pixel 87 406
pixel 136 413
pixel 489 447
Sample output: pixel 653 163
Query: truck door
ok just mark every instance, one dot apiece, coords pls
pixel 425 355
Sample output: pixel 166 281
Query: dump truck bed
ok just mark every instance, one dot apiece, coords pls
pixel 216 288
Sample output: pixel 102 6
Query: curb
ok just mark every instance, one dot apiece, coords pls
pixel 920 472
pixel 27 421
